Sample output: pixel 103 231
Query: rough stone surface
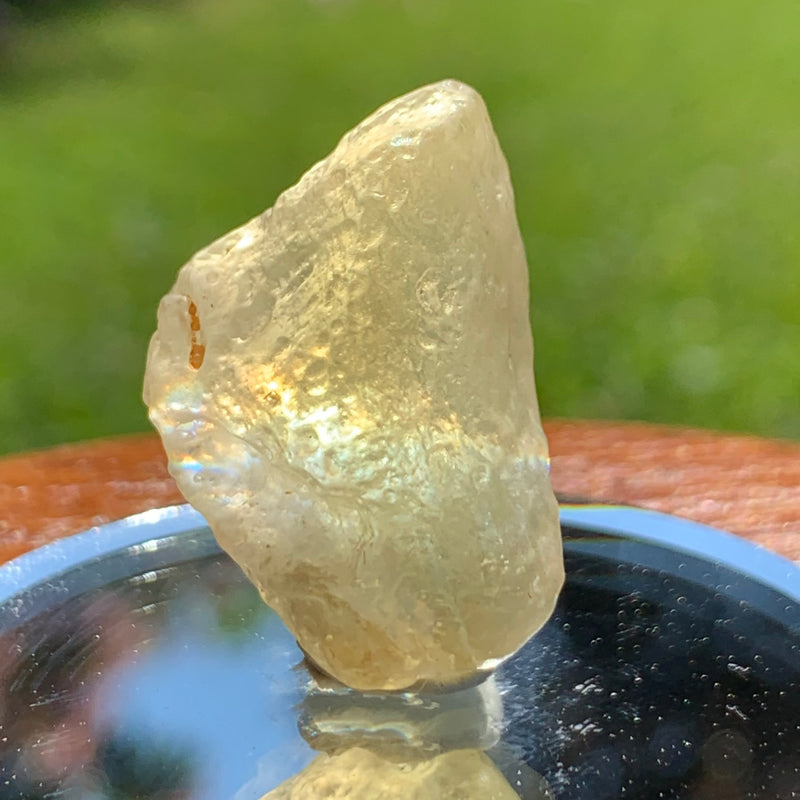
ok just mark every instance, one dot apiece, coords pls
pixel 360 774
pixel 344 387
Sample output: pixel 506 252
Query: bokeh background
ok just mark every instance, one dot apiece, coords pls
pixel 654 147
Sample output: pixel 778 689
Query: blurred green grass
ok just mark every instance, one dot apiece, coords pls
pixel 655 150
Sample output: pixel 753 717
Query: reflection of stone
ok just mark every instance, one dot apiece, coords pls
pixel 401 725
pixel 362 775
pixel 344 387
pixel 385 745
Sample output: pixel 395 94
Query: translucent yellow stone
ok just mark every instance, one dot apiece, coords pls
pixel 360 774
pixel 344 387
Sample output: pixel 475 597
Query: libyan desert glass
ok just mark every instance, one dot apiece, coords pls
pixel 137 661
pixel 344 388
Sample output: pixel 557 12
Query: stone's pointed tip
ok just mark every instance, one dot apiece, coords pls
pixel 463 92
pixel 344 387
pixel 429 107
pixel 448 87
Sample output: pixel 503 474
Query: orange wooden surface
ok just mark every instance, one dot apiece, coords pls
pixel 742 484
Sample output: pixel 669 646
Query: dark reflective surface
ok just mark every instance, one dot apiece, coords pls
pixel 664 689
pixel 168 678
